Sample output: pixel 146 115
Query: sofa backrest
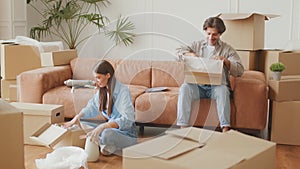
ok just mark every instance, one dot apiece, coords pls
pixel 134 72
pixel 167 73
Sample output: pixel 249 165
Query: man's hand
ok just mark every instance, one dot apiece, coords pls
pixel 226 62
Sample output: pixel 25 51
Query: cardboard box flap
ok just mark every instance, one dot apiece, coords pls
pixel 49 135
pixel 196 64
pixel 195 134
pixel 6 108
pixel 37 109
pixel 165 147
pixel 239 16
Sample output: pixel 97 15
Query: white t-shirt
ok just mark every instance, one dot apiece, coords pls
pixel 208 52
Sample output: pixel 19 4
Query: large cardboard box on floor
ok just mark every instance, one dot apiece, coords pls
pixel 16 59
pixel 290 59
pixel 249 59
pixel 5 86
pixel 37 115
pixel 245 31
pixel 11 142
pixel 57 58
pixel 285 122
pixel 191 148
pixel 203 71
pixel 54 136
pixel 286 89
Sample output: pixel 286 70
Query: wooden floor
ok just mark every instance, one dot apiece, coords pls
pixel 287 157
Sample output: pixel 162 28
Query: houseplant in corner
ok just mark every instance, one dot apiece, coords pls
pixel 68 19
pixel 277 69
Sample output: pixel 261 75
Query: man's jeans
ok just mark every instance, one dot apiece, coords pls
pixel 190 92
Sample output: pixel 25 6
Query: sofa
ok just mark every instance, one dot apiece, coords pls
pixel 249 100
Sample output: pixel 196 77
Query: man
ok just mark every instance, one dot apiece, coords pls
pixel 212 47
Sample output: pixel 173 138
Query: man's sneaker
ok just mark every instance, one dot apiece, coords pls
pixel 107 149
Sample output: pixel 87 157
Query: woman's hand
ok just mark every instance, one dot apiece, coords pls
pixel 73 121
pixel 94 134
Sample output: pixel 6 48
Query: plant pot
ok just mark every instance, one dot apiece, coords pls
pixel 276 75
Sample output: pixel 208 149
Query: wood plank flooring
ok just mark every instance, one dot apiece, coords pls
pixel 287 157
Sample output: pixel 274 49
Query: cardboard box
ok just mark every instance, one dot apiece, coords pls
pixel 13 93
pixel 245 31
pixel 37 115
pixel 5 85
pixel 11 142
pixel 57 58
pixel 289 59
pixel 54 136
pixel 190 148
pixel 249 59
pixel 203 71
pixel 285 122
pixel 286 89
pixel 16 59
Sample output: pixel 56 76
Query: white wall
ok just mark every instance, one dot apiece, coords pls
pixel 163 25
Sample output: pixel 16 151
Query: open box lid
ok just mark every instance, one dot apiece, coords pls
pixel 197 64
pixel 49 135
pixel 239 16
pixel 37 109
pixel 215 150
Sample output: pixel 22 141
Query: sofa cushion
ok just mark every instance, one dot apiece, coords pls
pixel 136 91
pixel 157 107
pixel 167 73
pixel 82 68
pixel 134 72
pixel 62 95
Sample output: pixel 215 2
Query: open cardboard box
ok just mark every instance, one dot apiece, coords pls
pixel 203 71
pixel 245 31
pixel 54 136
pixel 190 148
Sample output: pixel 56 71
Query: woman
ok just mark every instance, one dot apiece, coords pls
pixel 113 101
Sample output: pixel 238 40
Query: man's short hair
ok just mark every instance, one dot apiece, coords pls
pixel 214 22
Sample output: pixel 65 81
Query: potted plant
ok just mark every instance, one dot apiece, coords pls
pixel 277 69
pixel 68 19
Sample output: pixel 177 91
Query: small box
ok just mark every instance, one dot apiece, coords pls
pixel 290 59
pixel 285 122
pixel 37 115
pixel 245 31
pixel 249 59
pixel 54 136
pixel 203 71
pixel 11 142
pixel 5 88
pixel 194 147
pixel 16 59
pixel 57 58
pixel 285 89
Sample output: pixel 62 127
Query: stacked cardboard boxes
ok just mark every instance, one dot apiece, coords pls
pixel 285 99
pixel 245 32
pixel 14 60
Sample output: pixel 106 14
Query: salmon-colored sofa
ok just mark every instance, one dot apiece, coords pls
pixel 46 85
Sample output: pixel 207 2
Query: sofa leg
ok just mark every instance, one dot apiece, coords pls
pixel 141 129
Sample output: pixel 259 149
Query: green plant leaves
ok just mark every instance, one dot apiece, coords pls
pixel 277 67
pixel 122 32
pixel 67 19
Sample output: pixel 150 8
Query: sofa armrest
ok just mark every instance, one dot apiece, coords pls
pixel 33 84
pixel 251 100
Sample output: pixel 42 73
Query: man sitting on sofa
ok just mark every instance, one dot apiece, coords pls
pixel 212 47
